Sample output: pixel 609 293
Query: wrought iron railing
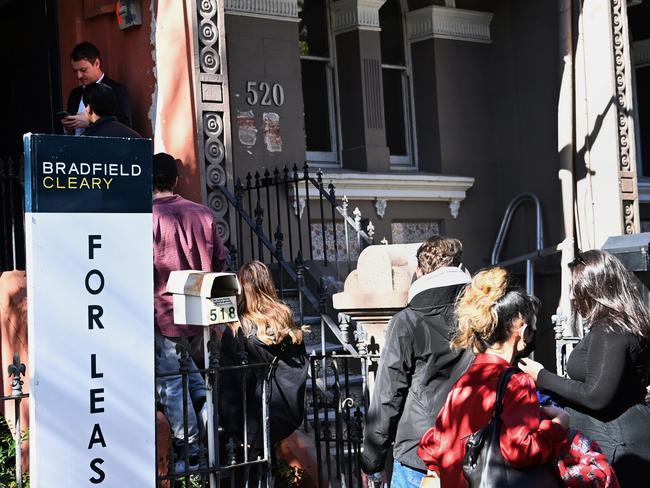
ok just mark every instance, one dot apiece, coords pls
pixel 221 461
pixel 300 214
pixel 17 371
pixel 339 402
pixel 12 233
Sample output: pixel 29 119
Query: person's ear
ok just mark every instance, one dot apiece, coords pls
pixel 97 63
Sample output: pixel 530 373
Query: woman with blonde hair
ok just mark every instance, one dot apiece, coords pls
pixel 497 321
pixel 266 333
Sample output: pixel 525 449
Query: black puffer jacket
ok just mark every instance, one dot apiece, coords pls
pixel 288 365
pixel 413 378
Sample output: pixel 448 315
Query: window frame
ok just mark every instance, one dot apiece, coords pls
pixel 328 158
pixel 409 160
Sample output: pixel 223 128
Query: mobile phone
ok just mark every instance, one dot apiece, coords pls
pixel 63 114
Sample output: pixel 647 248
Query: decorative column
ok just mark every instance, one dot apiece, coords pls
pixel 606 182
pixel 626 145
pixel 266 105
pixel 423 26
pixel 211 100
pixel 355 24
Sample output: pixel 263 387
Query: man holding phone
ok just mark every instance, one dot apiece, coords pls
pixel 86 62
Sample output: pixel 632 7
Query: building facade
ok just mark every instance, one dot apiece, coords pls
pixel 429 116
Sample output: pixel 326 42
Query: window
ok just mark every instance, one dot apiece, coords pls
pixel 317 81
pixel 396 81
pixel 639 25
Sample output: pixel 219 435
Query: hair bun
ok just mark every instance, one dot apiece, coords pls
pixel 491 284
pixel 474 310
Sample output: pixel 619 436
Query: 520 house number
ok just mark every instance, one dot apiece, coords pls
pixel 263 93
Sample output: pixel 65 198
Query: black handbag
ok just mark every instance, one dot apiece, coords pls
pixel 484 465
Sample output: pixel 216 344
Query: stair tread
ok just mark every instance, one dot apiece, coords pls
pixel 317 347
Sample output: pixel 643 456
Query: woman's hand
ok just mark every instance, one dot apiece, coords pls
pixel 530 367
pixel 557 415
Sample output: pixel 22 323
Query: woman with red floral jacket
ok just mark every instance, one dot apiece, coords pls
pixel 497 321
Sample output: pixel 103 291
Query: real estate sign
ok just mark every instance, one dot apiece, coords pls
pixel 90 311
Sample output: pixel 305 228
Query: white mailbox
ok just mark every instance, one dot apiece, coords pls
pixel 203 298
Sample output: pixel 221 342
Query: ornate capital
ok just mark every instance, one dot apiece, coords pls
pixel 276 9
pixel 356 14
pixel 448 23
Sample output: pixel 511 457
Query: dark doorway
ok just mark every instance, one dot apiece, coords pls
pixel 30 82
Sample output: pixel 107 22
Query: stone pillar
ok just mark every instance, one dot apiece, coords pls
pixel 355 24
pixel 211 99
pixel 372 294
pixel 423 27
pixel 607 198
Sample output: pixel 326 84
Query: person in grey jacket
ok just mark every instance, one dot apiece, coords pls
pixel 415 364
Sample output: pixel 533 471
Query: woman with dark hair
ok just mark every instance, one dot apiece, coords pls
pixel 266 333
pixel 608 369
pixel 497 321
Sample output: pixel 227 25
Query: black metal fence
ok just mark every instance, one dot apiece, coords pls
pixel 223 460
pixel 282 215
pixel 16 372
pixel 12 232
pixel 340 385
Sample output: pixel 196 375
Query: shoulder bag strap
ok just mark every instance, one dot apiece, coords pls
pixel 501 390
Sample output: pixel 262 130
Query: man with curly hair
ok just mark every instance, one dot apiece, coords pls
pixel 415 364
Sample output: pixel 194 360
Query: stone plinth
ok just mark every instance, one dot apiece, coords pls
pixel 381 280
pixel 373 293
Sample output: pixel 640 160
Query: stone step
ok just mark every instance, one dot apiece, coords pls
pixel 330 415
pixel 311 320
pixel 316 347
pixel 354 380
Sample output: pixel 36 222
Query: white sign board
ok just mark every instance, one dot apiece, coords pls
pixel 90 312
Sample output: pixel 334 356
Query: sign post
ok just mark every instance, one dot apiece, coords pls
pixel 90 311
pixel 205 299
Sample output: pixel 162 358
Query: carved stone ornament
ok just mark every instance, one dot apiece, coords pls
pixel 380 207
pixel 298 206
pixel 448 23
pixel 454 208
pixel 277 9
pixel 211 94
pixel 356 14
pixel 627 170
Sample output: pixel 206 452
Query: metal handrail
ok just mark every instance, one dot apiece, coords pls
pixel 505 227
pixel 296 277
pixel 268 245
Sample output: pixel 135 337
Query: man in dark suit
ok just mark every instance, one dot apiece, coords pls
pixel 100 103
pixel 86 63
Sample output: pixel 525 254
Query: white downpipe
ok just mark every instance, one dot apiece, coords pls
pixel 564 315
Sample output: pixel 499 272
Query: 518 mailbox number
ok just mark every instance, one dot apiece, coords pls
pixel 230 313
pixel 264 93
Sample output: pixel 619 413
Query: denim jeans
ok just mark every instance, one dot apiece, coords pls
pixel 405 477
pixel 170 388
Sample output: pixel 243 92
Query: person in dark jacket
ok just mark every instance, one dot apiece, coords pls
pixel 415 361
pixel 100 110
pixel 86 63
pixel 266 333
pixel 609 368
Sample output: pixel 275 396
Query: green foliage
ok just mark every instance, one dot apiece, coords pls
pixel 287 476
pixel 8 456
